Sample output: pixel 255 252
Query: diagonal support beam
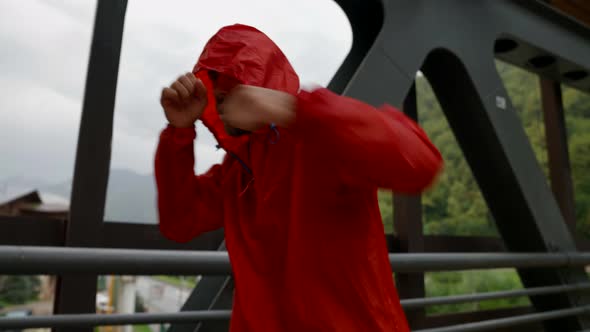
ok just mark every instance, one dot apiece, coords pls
pixel 212 292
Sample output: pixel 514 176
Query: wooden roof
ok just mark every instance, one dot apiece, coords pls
pixel 10 195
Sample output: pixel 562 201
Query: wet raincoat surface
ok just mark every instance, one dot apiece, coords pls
pixel 299 204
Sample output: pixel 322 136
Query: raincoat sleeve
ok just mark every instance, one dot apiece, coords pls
pixel 188 205
pixel 380 147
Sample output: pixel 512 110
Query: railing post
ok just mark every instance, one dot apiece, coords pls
pixel 407 211
pixel 557 150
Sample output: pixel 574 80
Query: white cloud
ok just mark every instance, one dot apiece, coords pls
pixel 39 130
pixel 45 47
pixel 137 153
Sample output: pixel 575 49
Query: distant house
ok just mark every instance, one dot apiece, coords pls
pixel 26 202
pixel 29 203
pixel 12 201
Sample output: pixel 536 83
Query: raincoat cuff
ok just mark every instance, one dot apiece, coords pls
pixel 179 136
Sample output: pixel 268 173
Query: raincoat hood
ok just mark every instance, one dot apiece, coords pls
pixel 252 58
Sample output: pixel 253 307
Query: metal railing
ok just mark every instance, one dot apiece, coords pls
pixel 89 320
pixel 61 260
pixel 54 260
pixel 494 324
pixel 533 291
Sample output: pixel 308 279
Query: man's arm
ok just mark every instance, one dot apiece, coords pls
pixel 379 147
pixel 188 205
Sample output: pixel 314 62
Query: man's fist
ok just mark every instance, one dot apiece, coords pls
pixel 184 101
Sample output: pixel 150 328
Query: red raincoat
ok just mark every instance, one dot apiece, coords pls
pixel 298 204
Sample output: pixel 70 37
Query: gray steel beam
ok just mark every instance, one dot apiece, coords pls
pixel 89 320
pixel 76 294
pixel 142 236
pixel 31 231
pixel 27 231
pixel 366 20
pixel 453 43
pixel 35 231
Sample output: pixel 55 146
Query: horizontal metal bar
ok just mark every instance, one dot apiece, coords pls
pixel 494 324
pixel 466 261
pixel 86 320
pixel 441 300
pixel 431 321
pixel 51 260
pixel 56 260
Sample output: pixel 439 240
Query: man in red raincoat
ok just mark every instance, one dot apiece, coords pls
pixel 296 192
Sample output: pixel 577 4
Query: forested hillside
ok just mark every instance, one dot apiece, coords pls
pixel 455 206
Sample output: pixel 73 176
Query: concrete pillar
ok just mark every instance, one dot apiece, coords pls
pixel 126 298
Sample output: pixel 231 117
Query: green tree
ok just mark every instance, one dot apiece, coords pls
pixel 19 289
pixel 386 206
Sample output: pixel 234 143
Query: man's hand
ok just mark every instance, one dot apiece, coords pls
pixel 184 101
pixel 250 108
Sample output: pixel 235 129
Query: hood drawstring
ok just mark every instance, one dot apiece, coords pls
pixel 274 136
pixel 277 135
pixel 245 168
pixel 241 162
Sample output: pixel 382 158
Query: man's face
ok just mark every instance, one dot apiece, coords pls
pixel 222 86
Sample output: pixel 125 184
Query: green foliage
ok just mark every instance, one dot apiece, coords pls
pixel 580 163
pixel 141 328
pixel 386 207
pixel 467 282
pixel 18 289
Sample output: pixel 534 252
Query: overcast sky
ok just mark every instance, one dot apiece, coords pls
pixel 45 46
